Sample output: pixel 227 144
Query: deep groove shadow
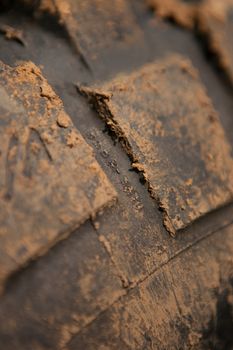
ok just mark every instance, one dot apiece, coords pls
pixel 212 58
pixel 218 335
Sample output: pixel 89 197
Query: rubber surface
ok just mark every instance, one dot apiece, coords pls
pixel 119 281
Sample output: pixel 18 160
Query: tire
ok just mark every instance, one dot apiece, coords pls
pixel 95 251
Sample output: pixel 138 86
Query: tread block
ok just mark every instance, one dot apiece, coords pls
pixel 172 308
pixel 101 30
pixel 59 295
pixel 216 21
pixel 172 134
pixel 50 182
